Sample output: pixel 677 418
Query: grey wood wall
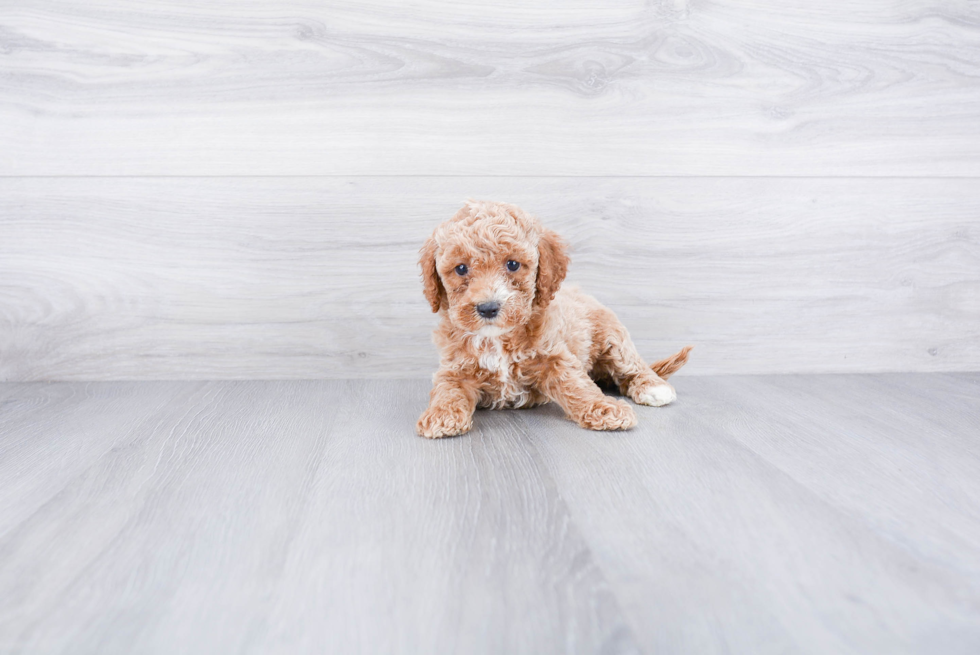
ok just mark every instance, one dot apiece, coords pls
pixel 238 189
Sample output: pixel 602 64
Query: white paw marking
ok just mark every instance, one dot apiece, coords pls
pixel 657 396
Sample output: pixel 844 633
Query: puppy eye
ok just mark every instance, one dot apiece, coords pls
pixel 513 266
pixel 461 269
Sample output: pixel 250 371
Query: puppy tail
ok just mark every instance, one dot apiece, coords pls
pixel 667 367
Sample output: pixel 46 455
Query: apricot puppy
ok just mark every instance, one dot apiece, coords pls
pixel 511 336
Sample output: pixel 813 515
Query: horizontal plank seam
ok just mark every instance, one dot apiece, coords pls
pixel 516 176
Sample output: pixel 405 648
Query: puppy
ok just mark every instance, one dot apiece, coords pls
pixel 511 336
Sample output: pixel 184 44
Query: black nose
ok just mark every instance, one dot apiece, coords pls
pixel 488 309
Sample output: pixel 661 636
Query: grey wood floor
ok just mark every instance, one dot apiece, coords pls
pixel 822 514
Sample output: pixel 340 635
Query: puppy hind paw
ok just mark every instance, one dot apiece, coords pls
pixel 655 395
pixel 608 414
pixel 438 422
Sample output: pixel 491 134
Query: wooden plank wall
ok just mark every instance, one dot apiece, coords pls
pixel 219 189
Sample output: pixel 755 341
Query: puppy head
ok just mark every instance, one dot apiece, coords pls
pixel 490 266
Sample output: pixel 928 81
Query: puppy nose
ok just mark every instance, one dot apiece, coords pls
pixel 488 309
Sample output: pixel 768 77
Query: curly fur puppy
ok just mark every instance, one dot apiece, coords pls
pixel 509 336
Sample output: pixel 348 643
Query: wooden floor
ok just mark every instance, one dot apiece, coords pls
pixel 823 514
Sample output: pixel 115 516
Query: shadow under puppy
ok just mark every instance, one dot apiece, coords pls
pixel 511 336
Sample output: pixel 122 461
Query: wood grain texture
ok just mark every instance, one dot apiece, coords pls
pixel 143 278
pixel 222 87
pixel 796 514
pixel 806 514
pixel 300 517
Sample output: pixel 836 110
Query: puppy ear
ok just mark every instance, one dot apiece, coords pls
pixel 552 267
pixel 435 293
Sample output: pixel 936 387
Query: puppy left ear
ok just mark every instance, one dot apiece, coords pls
pixel 552 267
pixel 435 293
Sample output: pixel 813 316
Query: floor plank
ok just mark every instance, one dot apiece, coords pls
pixel 774 514
pixel 300 517
pixel 757 514
pixel 458 546
pixel 187 513
pixel 223 87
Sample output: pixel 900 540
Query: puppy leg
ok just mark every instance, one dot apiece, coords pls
pixel 649 386
pixel 565 381
pixel 451 405
pixel 636 378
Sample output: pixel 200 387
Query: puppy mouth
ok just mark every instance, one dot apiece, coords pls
pixel 491 331
pixel 489 325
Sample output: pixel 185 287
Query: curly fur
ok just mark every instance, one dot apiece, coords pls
pixel 548 342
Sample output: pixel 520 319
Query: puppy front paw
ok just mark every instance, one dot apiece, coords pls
pixel 655 395
pixel 608 414
pixel 437 422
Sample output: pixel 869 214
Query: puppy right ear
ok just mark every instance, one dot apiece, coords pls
pixel 435 293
